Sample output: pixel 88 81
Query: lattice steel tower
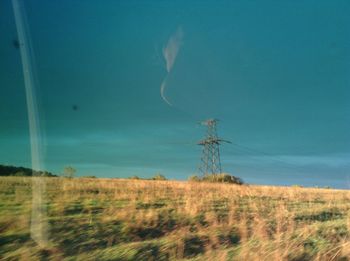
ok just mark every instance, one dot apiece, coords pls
pixel 210 160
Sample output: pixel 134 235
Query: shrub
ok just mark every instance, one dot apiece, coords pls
pixel 44 174
pixel 159 177
pixel 69 172
pixel 222 177
pixel 194 178
pixel 19 173
pixel 134 177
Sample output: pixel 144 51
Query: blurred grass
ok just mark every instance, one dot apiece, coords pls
pixel 116 219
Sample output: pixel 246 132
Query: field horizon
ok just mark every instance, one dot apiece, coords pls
pixel 125 219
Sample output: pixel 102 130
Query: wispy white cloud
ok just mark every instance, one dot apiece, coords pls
pixel 162 91
pixel 170 52
pixel 172 48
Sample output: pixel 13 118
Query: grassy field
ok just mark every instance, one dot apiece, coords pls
pixel 116 219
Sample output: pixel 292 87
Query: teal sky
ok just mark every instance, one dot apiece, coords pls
pixel 276 74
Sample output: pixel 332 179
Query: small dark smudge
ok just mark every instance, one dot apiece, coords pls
pixel 16 43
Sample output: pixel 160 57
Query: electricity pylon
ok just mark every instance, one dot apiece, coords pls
pixel 210 160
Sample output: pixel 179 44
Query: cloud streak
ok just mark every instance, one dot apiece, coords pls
pixel 162 89
pixel 170 52
pixel 172 48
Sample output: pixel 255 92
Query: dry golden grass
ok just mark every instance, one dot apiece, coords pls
pixel 117 219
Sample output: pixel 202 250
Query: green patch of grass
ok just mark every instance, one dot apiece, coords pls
pixel 73 208
pixel 144 251
pixel 333 231
pixel 322 216
pixel 10 242
pixel 141 205
pixel 194 245
pixel 314 245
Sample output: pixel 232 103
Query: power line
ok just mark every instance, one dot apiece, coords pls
pixel 270 156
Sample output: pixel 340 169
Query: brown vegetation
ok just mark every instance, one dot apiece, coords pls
pixel 116 219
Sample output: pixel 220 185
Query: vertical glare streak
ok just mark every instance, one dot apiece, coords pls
pixel 39 227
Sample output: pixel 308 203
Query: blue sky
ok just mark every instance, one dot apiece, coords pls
pixel 276 74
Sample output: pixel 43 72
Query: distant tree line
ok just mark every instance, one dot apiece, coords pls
pixel 23 172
